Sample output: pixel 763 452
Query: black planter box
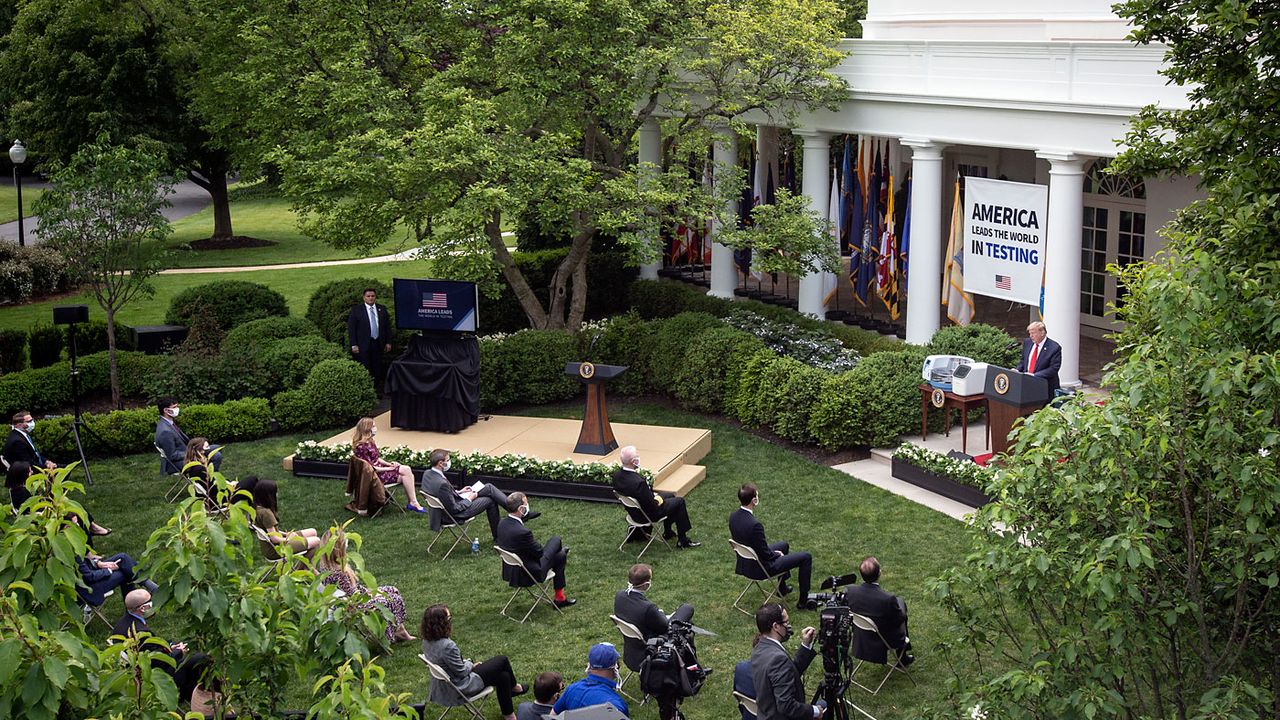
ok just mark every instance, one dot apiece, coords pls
pixel 940 484
pixel 592 492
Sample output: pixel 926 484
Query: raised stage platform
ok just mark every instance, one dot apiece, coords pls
pixel 671 453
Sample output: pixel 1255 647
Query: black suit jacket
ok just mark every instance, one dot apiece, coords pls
pixel 514 536
pixel 17 449
pixel 132 625
pixel 638 610
pixel 870 600
pixel 744 528
pixel 633 485
pixel 1047 363
pixel 358 328
pixel 779 683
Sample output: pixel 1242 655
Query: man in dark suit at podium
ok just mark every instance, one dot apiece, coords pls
pixel 658 506
pixel 369 333
pixel 1041 356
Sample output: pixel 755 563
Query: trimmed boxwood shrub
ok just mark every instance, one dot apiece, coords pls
pixel 133 431
pixel 711 367
pixel 527 367
pixel 229 302
pixel 45 345
pixel 243 351
pixel 288 362
pixel 666 356
pixel 746 402
pixel 91 337
pixel 49 388
pixel 800 394
pixel 336 393
pixel 331 303
pixel 983 343
pixel 626 340
pixel 872 404
pixel 13 350
pixel 251 336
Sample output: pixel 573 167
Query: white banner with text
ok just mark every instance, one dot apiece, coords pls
pixel 1004 238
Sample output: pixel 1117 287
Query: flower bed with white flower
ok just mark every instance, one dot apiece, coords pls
pixel 963 472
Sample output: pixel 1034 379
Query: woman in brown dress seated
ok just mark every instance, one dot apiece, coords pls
pixel 267 517
pixel 333 565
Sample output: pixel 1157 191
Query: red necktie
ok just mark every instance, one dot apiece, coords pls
pixel 1035 353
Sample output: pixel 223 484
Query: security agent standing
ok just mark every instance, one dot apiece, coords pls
pixel 780 693
pixel 369 332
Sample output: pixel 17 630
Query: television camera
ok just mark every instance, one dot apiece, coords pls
pixel 835 642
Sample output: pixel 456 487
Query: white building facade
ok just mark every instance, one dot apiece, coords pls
pixel 1027 91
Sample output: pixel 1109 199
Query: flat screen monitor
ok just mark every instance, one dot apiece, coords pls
pixel 448 305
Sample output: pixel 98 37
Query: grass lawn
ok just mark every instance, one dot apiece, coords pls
pixel 818 509
pixel 266 218
pixel 296 285
pixel 9 201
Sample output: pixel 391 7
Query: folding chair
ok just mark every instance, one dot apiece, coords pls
pixel 540 595
pixel 746 703
pixel 470 703
pixel 867 625
pixel 91 611
pixel 273 563
pixel 629 630
pixel 361 476
pixel 601 711
pixel 748 554
pixel 447 522
pixel 179 482
pixel 634 526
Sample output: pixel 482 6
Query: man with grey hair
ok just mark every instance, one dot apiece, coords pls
pixel 1041 356
pixel 658 506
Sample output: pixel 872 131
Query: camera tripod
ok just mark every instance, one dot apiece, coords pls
pixel 832 689
pixel 77 425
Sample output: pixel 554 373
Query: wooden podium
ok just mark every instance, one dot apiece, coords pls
pixel 596 437
pixel 1011 395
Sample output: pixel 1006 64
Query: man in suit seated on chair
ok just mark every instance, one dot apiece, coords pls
pixel 888 611
pixel 658 506
pixel 172 441
pixel 137 605
pixel 464 503
pixel 1041 356
pixel 632 605
pixel 777 557
pixel 514 537
pixel 20 447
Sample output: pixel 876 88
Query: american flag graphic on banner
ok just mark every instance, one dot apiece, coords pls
pixel 435 300
pixel 1004 282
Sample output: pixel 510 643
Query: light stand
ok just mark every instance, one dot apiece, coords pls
pixel 71 316
pixel 18 155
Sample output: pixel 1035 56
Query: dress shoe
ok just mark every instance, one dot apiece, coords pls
pixel 906 660
pixel 565 602
pixel 784 588
pixel 419 510
pixel 687 543
pixel 532 514
pixel 669 535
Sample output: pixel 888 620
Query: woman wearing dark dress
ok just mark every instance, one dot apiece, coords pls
pixel 266 516
pixel 390 473
pixel 333 565
pixel 438 647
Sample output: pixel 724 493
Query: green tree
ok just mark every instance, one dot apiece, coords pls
pixel 787 236
pixel 74 70
pixel 103 213
pixel 441 119
pixel 1129 567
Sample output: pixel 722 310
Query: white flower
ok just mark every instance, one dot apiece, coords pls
pixel 1264 452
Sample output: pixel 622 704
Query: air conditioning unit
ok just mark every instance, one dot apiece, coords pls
pixel 938 369
pixel 970 380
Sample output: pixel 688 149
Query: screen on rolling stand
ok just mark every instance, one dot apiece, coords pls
pixel 442 305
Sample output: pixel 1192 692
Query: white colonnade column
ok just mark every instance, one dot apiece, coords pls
pixel 816 184
pixel 724 275
pixel 924 278
pixel 651 152
pixel 1062 258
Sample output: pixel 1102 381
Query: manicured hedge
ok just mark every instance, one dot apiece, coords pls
pixel 336 393
pixel 13 351
pixel 711 366
pixel 49 388
pixel 45 344
pixel 245 350
pixel 983 343
pixel 331 303
pixel 527 367
pixel 624 340
pixel 872 404
pixel 133 431
pixel 230 302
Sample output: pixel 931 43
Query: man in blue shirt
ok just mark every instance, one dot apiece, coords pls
pixel 599 686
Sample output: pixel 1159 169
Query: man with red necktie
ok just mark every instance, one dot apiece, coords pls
pixel 1041 356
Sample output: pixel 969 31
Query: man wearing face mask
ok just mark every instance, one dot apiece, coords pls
pixel 172 441
pixel 514 537
pixel 138 609
pixel 778 679
pixel 657 506
pixel 633 606
pixel 20 447
pixel 599 686
pixel 777 557
pixel 464 503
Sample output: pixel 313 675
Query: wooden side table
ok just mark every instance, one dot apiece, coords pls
pixel 950 401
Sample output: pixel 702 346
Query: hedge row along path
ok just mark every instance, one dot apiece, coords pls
pixel 406 255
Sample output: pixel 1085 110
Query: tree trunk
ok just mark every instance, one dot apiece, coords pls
pixel 111 358
pixel 212 177
pixel 515 279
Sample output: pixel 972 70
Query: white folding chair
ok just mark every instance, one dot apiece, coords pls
pixel 866 624
pixel 92 611
pixel 635 526
pixel 470 703
pixel 603 711
pixel 746 703
pixel 179 482
pixel 748 554
pixel 537 590
pixel 447 522
pixel 629 630
pixel 273 563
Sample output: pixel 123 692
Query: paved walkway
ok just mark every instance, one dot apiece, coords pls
pixel 187 199
pixel 410 254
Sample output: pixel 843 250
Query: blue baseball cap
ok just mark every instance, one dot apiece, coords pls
pixel 603 656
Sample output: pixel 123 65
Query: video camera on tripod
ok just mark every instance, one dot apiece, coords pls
pixel 671 667
pixel 835 642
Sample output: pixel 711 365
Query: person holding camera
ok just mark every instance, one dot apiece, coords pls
pixel 889 613
pixel 778 680
pixel 631 605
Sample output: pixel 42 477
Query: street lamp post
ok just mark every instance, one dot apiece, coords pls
pixel 18 155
